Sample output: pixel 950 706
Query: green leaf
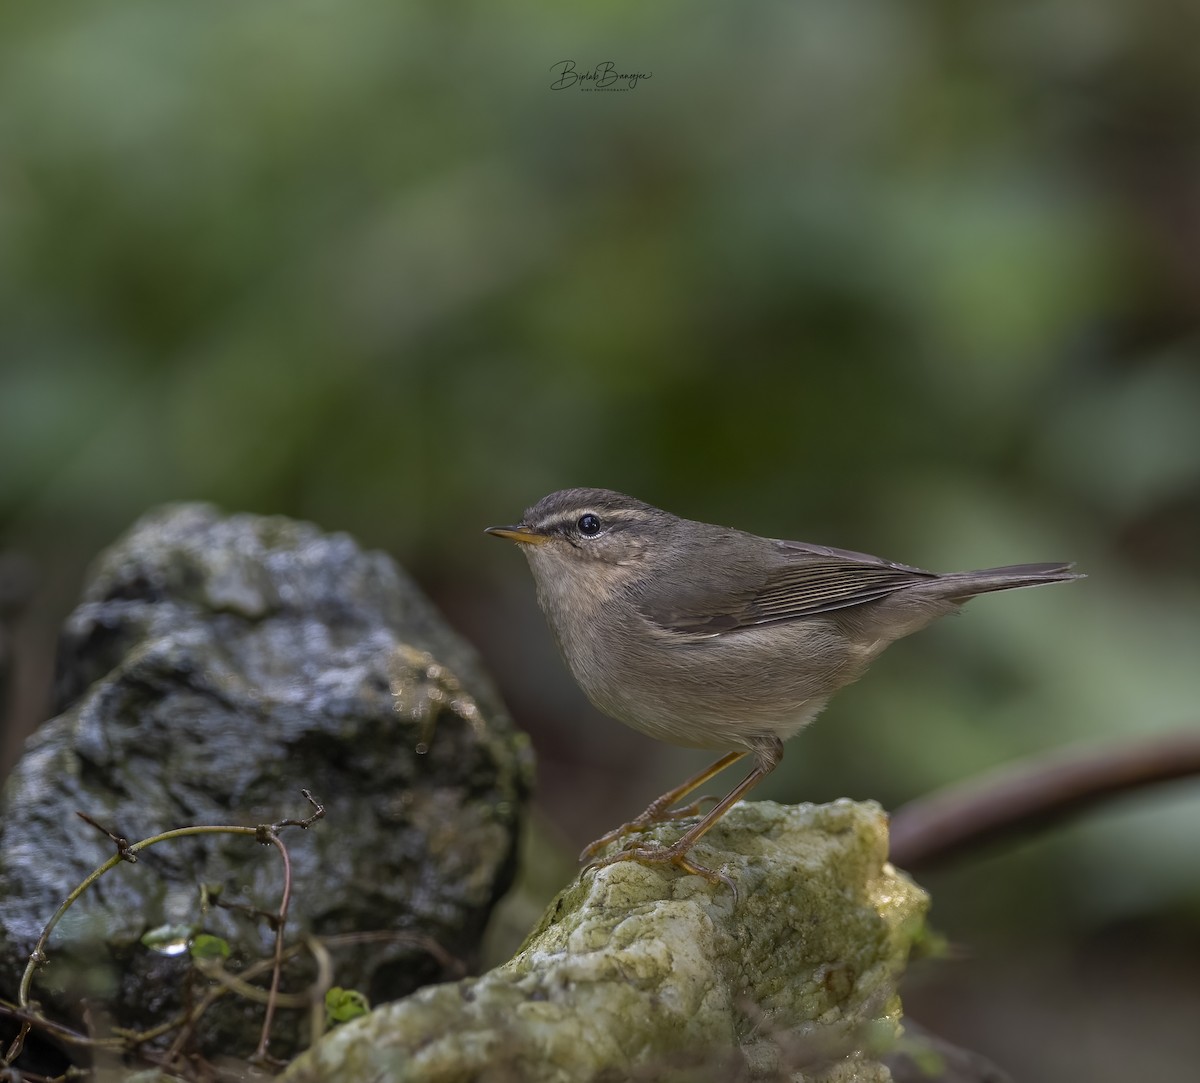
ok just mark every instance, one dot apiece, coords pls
pixel 342 1005
pixel 206 946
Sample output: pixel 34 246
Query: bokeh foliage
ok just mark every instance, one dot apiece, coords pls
pixel 921 279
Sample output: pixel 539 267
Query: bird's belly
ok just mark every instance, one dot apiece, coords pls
pixel 723 692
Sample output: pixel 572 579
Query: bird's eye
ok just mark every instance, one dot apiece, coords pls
pixel 589 525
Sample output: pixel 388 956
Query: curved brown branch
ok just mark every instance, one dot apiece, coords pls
pixel 1034 793
pixel 281 923
pixel 264 833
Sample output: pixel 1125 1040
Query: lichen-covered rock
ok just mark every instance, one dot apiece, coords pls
pixel 641 973
pixel 215 667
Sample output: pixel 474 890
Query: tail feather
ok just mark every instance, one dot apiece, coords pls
pixel 959 586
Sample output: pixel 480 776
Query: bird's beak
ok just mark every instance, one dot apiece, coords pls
pixel 518 534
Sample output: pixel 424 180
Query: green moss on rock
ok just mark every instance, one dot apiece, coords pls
pixel 637 972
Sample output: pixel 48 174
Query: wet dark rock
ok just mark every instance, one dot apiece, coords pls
pixel 216 666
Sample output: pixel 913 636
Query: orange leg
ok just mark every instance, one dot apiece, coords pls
pixel 767 755
pixel 659 810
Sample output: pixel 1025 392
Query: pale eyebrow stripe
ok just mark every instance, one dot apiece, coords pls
pixel 617 517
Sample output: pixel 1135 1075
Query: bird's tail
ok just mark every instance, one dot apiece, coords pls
pixel 959 586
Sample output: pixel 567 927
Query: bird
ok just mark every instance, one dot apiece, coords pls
pixel 709 637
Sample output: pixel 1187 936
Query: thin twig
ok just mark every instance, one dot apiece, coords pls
pixel 120 841
pixel 260 1054
pixel 320 986
pixel 226 982
pixel 237 983
pixel 1033 793
pixel 383 936
pixel 307 822
pixel 265 833
pixel 62 1033
pixel 337 940
pixel 269 833
pixel 38 956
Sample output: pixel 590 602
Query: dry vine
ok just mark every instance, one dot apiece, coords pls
pixel 225 982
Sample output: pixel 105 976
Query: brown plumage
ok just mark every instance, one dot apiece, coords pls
pixel 709 637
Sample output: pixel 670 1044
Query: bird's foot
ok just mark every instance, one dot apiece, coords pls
pixel 649 818
pixel 676 855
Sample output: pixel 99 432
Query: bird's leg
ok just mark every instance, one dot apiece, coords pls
pixel 659 810
pixel 767 756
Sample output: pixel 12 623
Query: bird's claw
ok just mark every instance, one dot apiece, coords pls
pixel 640 823
pixel 593 848
pixel 665 855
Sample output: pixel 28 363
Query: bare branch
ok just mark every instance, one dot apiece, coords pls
pixel 1033 794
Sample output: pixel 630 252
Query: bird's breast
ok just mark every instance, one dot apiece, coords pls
pixel 720 692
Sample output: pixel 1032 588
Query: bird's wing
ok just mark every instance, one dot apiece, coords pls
pixel 782 581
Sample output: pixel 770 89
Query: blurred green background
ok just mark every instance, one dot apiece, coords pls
pixel 918 279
